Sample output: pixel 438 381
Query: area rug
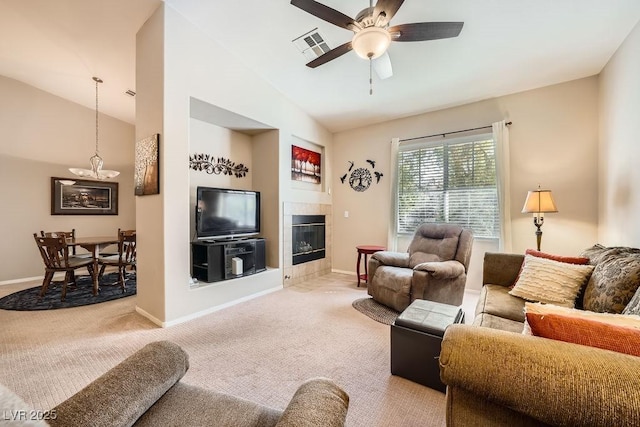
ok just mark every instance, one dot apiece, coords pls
pixel 78 295
pixel 375 310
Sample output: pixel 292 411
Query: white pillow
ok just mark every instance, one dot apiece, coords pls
pixel 549 281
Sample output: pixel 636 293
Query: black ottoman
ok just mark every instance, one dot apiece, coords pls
pixel 416 336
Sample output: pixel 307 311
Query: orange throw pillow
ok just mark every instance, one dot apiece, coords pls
pixel 585 332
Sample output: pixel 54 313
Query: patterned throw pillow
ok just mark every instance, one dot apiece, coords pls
pixel 634 305
pixel 614 281
pixel 549 281
pixel 594 253
pixel 602 330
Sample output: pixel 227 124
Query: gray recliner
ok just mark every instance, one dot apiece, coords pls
pixel 434 268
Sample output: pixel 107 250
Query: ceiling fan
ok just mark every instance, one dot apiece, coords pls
pixel 372 34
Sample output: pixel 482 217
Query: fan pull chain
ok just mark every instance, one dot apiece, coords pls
pixel 370 76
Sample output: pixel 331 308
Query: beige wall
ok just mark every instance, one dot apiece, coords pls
pixel 619 145
pixel 218 142
pixel 42 136
pixel 554 139
pixel 175 59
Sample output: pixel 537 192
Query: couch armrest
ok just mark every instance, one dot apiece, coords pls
pixel 500 268
pixel 442 270
pixel 121 395
pixel 551 381
pixel 394 259
pixel 317 402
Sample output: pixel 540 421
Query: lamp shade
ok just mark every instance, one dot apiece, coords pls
pixel 371 42
pixel 539 201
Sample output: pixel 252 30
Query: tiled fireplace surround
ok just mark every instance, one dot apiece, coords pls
pixel 294 274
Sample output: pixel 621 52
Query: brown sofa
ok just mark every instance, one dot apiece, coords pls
pixel 144 390
pixel 434 268
pixel 496 376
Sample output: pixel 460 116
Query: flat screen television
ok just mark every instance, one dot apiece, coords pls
pixel 223 213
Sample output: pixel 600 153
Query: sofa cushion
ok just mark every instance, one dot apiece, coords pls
pixel 550 281
pixel 186 405
pixel 614 281
pixel 613 332
pixel 391 286
pixel 417 258
pixel 496 322
pixel 438 239
pixel 496 301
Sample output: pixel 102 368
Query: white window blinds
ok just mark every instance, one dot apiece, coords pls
pixel 449 181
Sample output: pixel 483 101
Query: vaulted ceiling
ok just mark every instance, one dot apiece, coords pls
pixel 506 46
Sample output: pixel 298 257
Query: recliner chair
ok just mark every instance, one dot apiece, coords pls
pixel 434 268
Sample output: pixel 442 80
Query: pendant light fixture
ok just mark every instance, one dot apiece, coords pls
pixel 96 161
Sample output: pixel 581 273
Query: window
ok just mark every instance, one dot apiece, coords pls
pixel 449 181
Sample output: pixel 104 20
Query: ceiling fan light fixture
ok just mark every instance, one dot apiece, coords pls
pixel 371 42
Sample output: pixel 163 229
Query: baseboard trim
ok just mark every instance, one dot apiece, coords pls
pixel 351 273
pixel 153 319
pixel 206 311
pixel 25 279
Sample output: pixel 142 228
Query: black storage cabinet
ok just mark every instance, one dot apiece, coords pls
pixel 211 261
pixel 416 337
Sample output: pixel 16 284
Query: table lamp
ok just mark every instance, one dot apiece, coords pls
pixel 539 202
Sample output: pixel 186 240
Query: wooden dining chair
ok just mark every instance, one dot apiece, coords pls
pixel 126 256
pixel 56 258
pixel 67 234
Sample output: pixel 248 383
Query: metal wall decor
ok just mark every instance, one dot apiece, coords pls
pixel 360 179
pixel 210 164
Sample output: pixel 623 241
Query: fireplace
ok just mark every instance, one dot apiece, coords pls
pixel 308 238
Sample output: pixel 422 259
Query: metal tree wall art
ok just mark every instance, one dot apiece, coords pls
pixel 360 179
pixel 210 164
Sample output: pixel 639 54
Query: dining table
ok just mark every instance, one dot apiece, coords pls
pixel 94 245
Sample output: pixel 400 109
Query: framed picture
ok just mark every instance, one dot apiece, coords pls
pixel 305 165
pixel 83 197
pixel 147 166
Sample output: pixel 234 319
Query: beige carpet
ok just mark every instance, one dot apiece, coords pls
pixel 259 350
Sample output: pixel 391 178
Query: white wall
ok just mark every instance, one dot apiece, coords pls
pixel 192 65
pixel 554 140
pixel 619 202
pixel 42 136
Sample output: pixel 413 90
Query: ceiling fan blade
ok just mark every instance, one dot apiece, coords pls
pixel 325 13
pixel 421 31
pixel 389 7
pixel 382 66
pixel 331 55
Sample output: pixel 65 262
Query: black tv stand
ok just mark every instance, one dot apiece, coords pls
pixel 212 261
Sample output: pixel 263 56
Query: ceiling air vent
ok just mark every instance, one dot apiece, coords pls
pixel 311 44
pixel 130 93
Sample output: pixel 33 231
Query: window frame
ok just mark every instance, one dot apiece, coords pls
pixel 446 143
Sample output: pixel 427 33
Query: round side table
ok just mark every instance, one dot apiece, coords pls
pixel 366 250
